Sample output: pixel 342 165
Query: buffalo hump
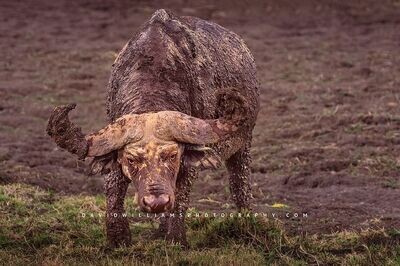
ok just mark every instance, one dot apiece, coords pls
pixel 181 64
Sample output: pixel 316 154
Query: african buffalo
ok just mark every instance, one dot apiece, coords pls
pixel 182 97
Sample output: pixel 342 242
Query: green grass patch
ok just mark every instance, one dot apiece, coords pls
pixel 39 227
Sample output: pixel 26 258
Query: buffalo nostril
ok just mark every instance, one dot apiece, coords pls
pixel 148 200
pixel 165 198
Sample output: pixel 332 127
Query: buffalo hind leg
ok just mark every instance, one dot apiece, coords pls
pixel 238 166
pixel 117 226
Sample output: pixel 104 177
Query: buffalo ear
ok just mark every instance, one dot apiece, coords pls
pixel 102 164
pixel 201 157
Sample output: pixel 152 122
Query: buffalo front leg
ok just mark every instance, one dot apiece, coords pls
pixel 238 166
pixel 117 226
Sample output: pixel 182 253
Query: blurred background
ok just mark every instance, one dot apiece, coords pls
pixel 327 140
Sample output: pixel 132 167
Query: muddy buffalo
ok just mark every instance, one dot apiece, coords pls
pixel 182 97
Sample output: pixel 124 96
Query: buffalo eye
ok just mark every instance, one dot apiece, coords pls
pixel 172 157
pixel 134 160
pixel 169 157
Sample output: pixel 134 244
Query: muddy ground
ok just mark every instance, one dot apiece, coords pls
pixel 327 140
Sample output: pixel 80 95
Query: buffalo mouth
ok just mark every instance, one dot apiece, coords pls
pixel 156 203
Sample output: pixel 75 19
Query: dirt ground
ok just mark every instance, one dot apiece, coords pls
pixel 327 140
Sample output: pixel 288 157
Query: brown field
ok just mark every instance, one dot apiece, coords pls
pixel 327 140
